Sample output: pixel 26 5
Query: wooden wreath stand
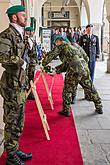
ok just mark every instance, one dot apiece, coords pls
pixel 38 103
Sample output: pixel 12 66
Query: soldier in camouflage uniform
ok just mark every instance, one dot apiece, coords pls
pixel 32 54
pixel 77 72
pixel 12 84
pixel 83 55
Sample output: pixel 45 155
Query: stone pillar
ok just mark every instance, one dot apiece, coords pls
pixel 97 31
pixel 108 60
pixel 38 16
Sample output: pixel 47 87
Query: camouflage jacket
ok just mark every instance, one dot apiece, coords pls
pixel 11 52
pixel 32 54
pixel 70 57
pixel 82 52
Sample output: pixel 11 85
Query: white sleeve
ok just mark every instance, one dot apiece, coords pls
pixel 24 65
pixel 30 43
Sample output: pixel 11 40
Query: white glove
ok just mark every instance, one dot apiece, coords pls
pixel 30 43
pixel 53 72
pixel 24 65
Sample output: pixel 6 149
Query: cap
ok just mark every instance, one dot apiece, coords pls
pixel 58 37
pixel 89 25
pixel 29 28
pixel 15 9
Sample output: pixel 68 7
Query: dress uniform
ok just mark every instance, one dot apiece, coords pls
pixel 12 86
pixel 77 72
pixel 90 43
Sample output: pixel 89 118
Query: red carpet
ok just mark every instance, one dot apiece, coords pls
pixel 63 148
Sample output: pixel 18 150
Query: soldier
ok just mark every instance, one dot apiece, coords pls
pixel 83 55
pixel 32 54
pixel 12 84
pixel 90 43
pixel 77 72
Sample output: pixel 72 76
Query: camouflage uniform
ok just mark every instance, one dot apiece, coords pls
pixel 12 86
pixel 86 58
pixel 82 52
pixel 77 72
pixel 33 62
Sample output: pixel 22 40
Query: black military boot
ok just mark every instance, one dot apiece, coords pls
pixel 65 113
pixel 99 110
pixel 24 156
pixel 30 97
pixel 73 100
pixel 13 159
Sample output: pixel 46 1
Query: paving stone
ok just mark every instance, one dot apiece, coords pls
pixel 106 149
pixel 93 154
pixel 104 122
pixel 83 136
pixel 99 136
pixel 90 124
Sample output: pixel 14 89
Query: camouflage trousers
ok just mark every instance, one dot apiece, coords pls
pixel 13 105
pixel 72 79
pixel 31 71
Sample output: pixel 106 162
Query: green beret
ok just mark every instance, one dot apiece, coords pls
pixel 29 28
pixel 58 37
pixel 15 9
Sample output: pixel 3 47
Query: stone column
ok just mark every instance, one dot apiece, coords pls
pixel 97 31
pixel 38 16
pixel 108 60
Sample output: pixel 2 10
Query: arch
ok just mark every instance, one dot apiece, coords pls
pixel 43 1
pixel 86 3
pixel 78 3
